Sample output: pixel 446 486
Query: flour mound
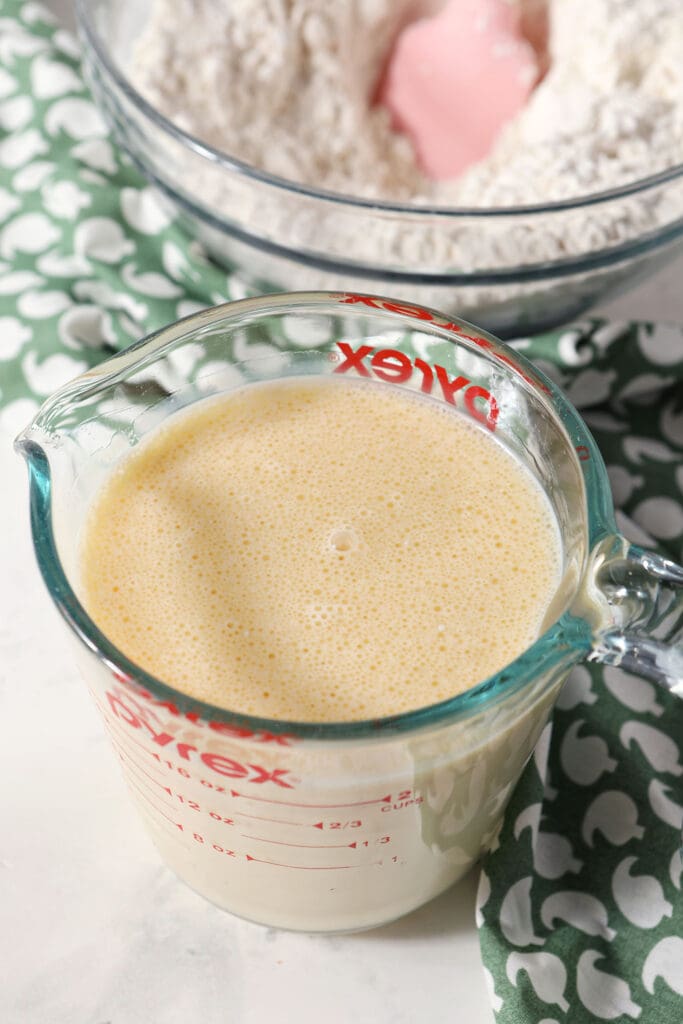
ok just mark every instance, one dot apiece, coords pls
pixel 288 86
pixel 284 85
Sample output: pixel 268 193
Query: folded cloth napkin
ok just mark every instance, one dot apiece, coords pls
pixel 580 910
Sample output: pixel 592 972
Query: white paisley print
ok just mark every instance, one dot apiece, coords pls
pixel 580 907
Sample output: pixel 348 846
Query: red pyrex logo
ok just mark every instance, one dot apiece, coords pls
pixel 238 732
pixel 126 709
pixel 396 367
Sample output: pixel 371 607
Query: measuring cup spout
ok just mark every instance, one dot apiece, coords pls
pixel 641 594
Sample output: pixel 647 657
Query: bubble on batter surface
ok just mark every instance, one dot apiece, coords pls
pixel 389 576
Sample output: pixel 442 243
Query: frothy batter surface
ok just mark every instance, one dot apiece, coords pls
pixel 321 551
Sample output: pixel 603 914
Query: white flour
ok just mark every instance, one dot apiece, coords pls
pixel 287 86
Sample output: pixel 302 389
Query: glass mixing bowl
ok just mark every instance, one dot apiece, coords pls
pixel 483 264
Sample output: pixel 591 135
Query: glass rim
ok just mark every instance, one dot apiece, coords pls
pixel 563 643
pixel 384 274
pixel 246 170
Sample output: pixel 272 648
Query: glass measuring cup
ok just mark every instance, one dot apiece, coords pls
pixel 341 826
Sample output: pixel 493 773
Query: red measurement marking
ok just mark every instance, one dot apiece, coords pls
pixel 274 821
pixel 338 824
pixel 143 783
pixel 302 846
pixel 260 817
pixel 118 741
pixel 126 757
pixel 176 833
pixel 311 867
pixel 152 804
pixel 324 807
pixel 127 736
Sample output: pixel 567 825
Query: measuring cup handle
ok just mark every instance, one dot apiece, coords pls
pixel 645 596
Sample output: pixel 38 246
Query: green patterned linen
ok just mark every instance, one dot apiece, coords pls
pixel 580 910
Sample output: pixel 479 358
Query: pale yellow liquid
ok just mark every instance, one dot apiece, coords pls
pixel 320 551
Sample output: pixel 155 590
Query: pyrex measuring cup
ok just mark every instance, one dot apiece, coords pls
pixel 342 825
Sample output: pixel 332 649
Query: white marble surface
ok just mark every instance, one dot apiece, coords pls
pixel 96 931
